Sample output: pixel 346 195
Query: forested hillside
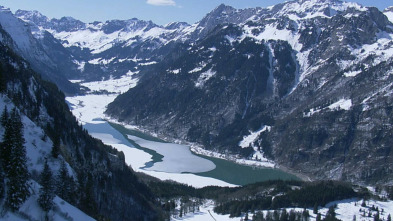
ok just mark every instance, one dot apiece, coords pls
pixel 103 186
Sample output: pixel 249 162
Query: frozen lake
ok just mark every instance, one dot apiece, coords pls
pixel 166 161
pixel 176 158
pixel 173 158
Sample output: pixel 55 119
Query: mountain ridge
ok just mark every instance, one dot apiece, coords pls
pixel 214 93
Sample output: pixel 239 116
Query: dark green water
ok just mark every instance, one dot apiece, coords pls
pixel 225 170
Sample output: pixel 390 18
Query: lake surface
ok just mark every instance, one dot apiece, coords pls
pixel 224 170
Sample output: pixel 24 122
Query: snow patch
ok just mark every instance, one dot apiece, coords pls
pixel 389 14
pixel 176 71
pixel 352 73
pixel 199 68
pixel 120 85
pixel 344 104
pixel 249 139
pixel 204 77
pixel 148 63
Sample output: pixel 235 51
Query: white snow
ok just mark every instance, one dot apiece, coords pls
pixel 206 212
pixel 189 179
pixel 177 158
pixel 37 149
pixel 89 107
pixel 120 85
pixel 133 157
pixel 148 63
pixel 16 28
pixel 382 49
pixel 352 73
pixel 315 8
pixel 75 81
pixel 344 104
pixel 176 71
pixel 258 154
pixel 95 39
pixel 249 139
pixel 346 210
pixel 389 14
pixel 258 162
pixel 62 210
pixel 200 66
pixel 205 76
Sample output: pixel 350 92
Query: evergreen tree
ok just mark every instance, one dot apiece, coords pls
pixel 2 181
pixel 15 163
pixel 376 216
pixel 389 218
pixel 4 116
pixel 292 215
pixel 284 215
pixel 319 217
pixel 258 216
pixel 331 214
pixel 63 187
pixel 306 214
pixel 3 85
pixel 7 147
pixel 56 147
pixel 45 199
pixel 87 202
pixel 315 210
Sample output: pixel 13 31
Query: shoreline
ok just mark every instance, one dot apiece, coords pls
pixel 198 150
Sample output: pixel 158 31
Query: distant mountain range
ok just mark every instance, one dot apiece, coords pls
pixel 317 72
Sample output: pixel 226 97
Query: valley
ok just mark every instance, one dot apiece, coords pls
pixel 276 113
pixel 155 157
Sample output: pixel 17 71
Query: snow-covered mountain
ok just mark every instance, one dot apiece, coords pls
pixel 301 67
pixel 111 48
pixel 389 13
pixel 37 48
pixel 215 82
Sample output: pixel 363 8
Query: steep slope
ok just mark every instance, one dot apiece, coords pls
pixel 38 149
pixel 107 187
pixel 39 52
pixel 303 68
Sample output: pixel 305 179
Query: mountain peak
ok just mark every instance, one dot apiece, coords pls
pixel 315 8
pixel 33 16
pixel 176 25
pixel 388 9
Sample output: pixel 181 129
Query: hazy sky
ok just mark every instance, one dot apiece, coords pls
pixel 159 11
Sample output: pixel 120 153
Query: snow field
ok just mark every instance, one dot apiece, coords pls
pixel 346 210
